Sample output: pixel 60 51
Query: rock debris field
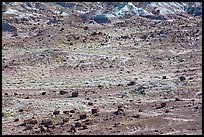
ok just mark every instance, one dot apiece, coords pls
pixel 133 77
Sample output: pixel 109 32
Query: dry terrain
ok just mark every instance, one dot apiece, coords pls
pixel 132 76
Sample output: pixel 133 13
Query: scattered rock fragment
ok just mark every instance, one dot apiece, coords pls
pixel 52 126
pixel 177 99
pixel 66 112
pixel 120 107
pixel 181 60
pixel 167 111
pixel 27 97
pixel 72 129
pixel 140 110
pixel 82 116
pixel 190 78
pixel 15 94
pixel 78 124
pixel 100 33
pixel 136 116
pixel 56 112
pixel 119 111
pixel 31 121
pixel 116 124
pixel 43 93
pixel 42 129
pixel 16 120
pixel 182 78
pixel 193 99
pixel 87 122
pixel 163 77
pixel 75 94
pixel 143 36
pixel 94 33
pixel 90 103
pixel 28 127
pixel 61 29
pixel 72 111
pixel 86 28
pixel 163 104
pixel 94 110
pixel 140 90
pixel 62 92
pixel 47 122
pixel 165 97
pixel 131 83
pixel 20 110
pixel 65 120
pixel 100 86
pixel 84 126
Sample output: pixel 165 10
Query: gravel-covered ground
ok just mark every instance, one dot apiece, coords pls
pixel 141 77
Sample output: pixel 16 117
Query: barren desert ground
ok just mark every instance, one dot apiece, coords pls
pixel 132 76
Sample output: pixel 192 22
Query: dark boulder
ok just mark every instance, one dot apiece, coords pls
pixel 62 92
pixel 43 93
pixel 182 78
pixel 131 83
pixel 75 94
pixel 94 110
pixel 82 116
pixel 136 116
pixel 163 104
pixel 56 112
